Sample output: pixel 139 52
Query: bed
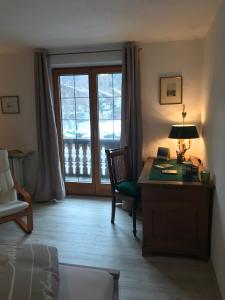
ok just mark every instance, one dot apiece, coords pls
pixel 91 283
pixel 32 272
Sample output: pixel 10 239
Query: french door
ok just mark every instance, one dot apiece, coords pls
pixel 88 117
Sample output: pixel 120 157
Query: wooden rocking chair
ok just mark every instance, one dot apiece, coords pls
pixel 12 209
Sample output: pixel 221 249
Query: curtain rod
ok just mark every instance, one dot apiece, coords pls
pixel 86 52
pixel 83 52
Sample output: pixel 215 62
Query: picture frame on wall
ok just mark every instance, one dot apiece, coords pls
pixel 171 90
pixel 10 104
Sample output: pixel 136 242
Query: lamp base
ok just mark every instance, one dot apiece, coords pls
pixel 180 157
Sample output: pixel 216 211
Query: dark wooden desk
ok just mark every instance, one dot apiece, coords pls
pixel 176 216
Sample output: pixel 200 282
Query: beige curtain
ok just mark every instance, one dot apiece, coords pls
pixel 131 128
pixel 49 180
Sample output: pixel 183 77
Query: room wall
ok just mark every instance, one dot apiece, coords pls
pixel 203 95
pixel 19 131
pixel 166 59
pixel 159 59
pixel 86 59
pixel 17 78
pixel 213 118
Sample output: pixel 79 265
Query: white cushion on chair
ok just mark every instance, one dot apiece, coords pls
pixel 7 191
pixel 8 198
pixel 12 207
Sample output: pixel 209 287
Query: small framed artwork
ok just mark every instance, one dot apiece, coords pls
pixel 170 90
pixel 163 153
pixel 10 105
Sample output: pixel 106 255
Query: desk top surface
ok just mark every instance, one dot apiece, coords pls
pixel 144 179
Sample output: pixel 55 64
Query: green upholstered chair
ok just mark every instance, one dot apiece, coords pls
pixel 123 188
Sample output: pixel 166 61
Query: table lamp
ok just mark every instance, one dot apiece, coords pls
pixel 182 132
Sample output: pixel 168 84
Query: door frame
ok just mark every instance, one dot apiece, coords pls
pixel 74 188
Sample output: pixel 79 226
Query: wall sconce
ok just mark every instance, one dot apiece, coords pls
pixel 182 132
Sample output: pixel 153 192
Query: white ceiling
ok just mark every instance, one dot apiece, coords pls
pixel 75 23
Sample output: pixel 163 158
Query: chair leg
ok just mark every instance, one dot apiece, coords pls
pixel 30 220
pixel 130 212
pixel 134 208
pixel 113 209
pixel 28 226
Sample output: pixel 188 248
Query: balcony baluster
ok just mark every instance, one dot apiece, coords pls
pixel 77 158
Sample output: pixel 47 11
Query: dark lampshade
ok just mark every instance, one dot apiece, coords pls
pixel 183 132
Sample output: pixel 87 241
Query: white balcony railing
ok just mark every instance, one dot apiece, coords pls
pixel 77 159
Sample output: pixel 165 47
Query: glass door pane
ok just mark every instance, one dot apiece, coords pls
pixel 109 117
pixel 76 127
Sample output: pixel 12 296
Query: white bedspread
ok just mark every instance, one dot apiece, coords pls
pixel 28 272
pixel 77 283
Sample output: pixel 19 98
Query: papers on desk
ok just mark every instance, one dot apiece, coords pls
pixel 163 166
pixel 173 172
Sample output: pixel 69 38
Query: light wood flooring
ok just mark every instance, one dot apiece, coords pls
pixel 81 230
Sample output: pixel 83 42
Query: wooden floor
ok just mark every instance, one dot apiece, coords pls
pixel 81 230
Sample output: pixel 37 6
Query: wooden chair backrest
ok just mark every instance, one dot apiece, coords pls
pixel 118 164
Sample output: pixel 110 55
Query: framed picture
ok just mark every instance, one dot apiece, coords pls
pixel 170 90
pixel 10 105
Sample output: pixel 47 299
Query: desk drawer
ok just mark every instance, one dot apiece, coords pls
pixel 175 220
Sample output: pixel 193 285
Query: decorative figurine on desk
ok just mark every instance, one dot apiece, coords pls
pixel 182 132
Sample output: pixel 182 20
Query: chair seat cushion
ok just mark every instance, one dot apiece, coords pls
pixel 12 207
pixel 129 188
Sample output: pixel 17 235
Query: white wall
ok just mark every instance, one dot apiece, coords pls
pixel 19 131
pixel 86 59
pixel 213 118
pixel 159 59
pixel 162 59
pixel 17 78
pixel 184 58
